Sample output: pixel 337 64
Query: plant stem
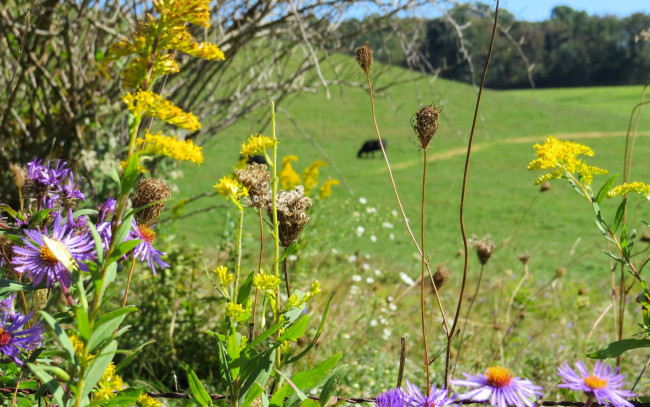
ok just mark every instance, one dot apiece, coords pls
pixel 469 310
pixel 424 329
pixel 462 198
pixel 276 239
pixel 286 278
pixel 240 227
pixel 128 281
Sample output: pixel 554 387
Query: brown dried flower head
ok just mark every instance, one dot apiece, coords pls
pixel 17 175
pixel 40 298
pixel 560 272
pixel 484 249
pixel 293 213
pixel 544 186
pixel 524 258
pixel 363 55
pixel 149 191
pixel 6 251
pixel 425 123
pixel 441 275
pixel 256 178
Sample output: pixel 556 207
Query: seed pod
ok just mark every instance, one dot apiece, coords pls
pixel 17 175
pixel 425 123
pixel 484 249
pixel 149 191
pixel 441 275
pixel 363 55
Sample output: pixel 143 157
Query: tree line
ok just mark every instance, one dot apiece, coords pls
pixel 570 48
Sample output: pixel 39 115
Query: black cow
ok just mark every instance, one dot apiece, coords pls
pixel 370 146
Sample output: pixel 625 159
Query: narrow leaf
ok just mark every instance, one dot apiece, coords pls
pixel 619 215
pixel 605 188
pixel 61 335
pixel 99 246
pixel 296 330
pixel 200 395
pixel 330 385
pixel 617 348
pixel 48 382
pixel 98 366
pixel 122 249
pixel 317 335
pixel 106 325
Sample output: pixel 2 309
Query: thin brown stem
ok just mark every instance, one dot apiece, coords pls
pixel 463 193
pixel 402 361
pixel 401 208
pixel 621 310
pixel 128 281
pixel 13 400
pixel 469 310
pixel 593 327
pixel 424 329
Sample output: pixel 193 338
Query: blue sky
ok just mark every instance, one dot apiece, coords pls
pixel 537 10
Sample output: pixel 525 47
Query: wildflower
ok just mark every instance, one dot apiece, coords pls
pixel 561 157
pixel 359 231
pixel 255 178
pixel 67 193
pixel 52 257
pixel 326 189
pixel 145 249
pixel 77 344
pixel 144 400
pixel 436 397
pixel 484 248
pixel 234 310
pixel 405 278
pixel 149 191
pixel 604 384
pixel 425 124
pixel 225 278
pixel 288 177
pixel 13 339
pixel 356 278
pixel 231 189
pixel 293 214
pixel 497 386
pixel 310 176
pixel 392 398
pixel 181 150
pixel 624 189
pixel 256 144
pixel 363 201
pixel 373 238
pixel 109 385
pixel 147 103
pixel 7 304
pixel 266 282
pixel 44 176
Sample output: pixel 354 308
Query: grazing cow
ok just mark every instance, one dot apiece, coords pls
pixel 370 146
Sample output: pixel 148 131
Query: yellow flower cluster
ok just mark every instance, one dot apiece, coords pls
pixel 561 157
pixel 289 179
pixel 294 301
pixel 135 73
pixel 256 144
pixel 326 189
pixel 225 278
pixel 266 282
pixel 624 189
pixel 109 385
pixel 147 401
pixel 78 346
pixel 234 310
pixel 195 12
pixel 310 176
pixel 147 103
pixel 231 188
pixel 182 150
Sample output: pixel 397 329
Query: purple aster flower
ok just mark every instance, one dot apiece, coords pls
pixel 69 192
pixel 145 249
pixel 7 304
pixel 392 398
pixel 40 262
pixel 435 398
pixel 604 384
pixel 106 209
pixel 497 386
pixel 13 340
pixel 44 176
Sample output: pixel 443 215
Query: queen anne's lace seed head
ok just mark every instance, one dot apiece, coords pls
pixel 149 191
pixel 255 178
pixel 293 213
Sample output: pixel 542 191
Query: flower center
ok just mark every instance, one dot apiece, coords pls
pixel 594 382
pixel 146 234
pixel 498 376
pixel 5 337
pixel 48 256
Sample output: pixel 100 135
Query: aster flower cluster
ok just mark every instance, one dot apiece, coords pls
pixel 14 336
pixel 497 387
pixel 54 185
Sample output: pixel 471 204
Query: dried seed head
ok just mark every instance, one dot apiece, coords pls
pixel 646 237
pixel 256 178
pixel 6 251
pixel 545 186
pixel 149 191
pixel 40 298
pixel 560 272
pixel 441 275
pixel 18 175
pixel 364 58
pixel 524 258
pixel 484 248
pixel 293 213
pixel 425 123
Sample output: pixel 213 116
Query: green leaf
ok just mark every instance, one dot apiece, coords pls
pixel 255 391
pixel 83 325
pixel 245 289
pixel 99 245
pixel 224 366
pixel 131 355
pixel 264 335
pixel 37 219
pixel 123 231
pixel 61 335
pixel 601 227
pixel 130 174
pixel 99 56
pixel 106 325
pixel 234 352
pixel 305 379
pixel 256 372
pixel 116 178
pixel 293 248
pixel 8 286
pixel 48 382
pixel 98 366
pixel 619 215
pixel 82 212
pixel 617 348
pixel 302 396
pixel 316 336
pixel 11 211
pixel 122 249
pixel 126 397
pixel 296 330
pixel 293 400
pixel 200 396
pixel 615 257
pixel 602 193
pixel 330 385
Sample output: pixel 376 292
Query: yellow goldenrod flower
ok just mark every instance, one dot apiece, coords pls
pixel 192 11
pixel 288 177
pixel 77 344
pixel 147 103
pixel 234 310
pixel 624 189
pixel 182 150
pixel 135 73
pixel 231 188
pixel 186 43
pixel 225 278
pixel 147 401
pixel 266 282
pixel 256 144
pixel 109 385
pixel 310 176
pixel 294 301
pixel 561 157
pixel 326 189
